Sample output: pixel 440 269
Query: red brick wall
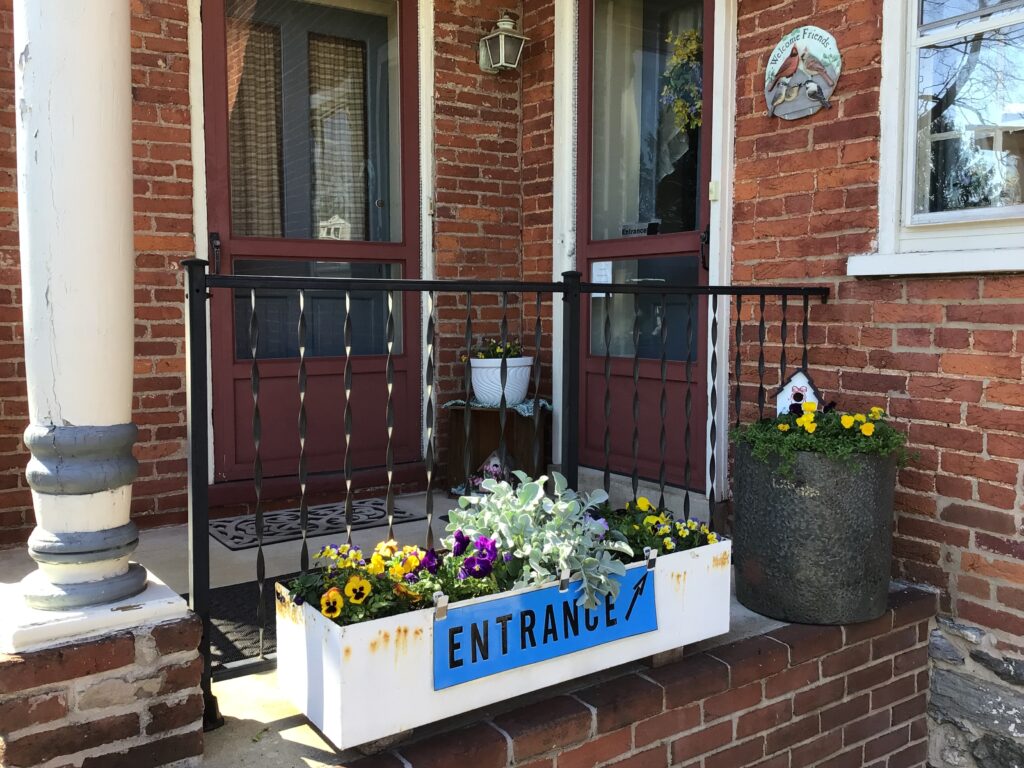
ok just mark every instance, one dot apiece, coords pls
pixel 492 182
pixel 833 697
pixel 163 236
pixel 943 355
pixel 125 700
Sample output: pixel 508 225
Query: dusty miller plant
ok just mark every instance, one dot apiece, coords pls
pixel 546 535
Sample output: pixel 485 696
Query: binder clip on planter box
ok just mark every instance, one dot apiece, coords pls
pixel 530 591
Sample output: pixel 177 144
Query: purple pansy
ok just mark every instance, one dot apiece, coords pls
pixel 429 561
pixel 411 577
pixel 461 542
pixel 487 549
pixel 476 567
pixel 507 557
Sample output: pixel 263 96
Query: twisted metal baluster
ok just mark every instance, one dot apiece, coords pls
pixel 713 431
pixel 739 343
pixel 467 444
pixel 663 404
pixel 760 362
pixel 807 309
pixel 687 433
pixel 428 458
pixel 348 416
pixel 537 339
pixel 635 475
pixel 784 332
pixel 607 393
pixel 503 403
pixel 303 474
pixel 257 467
pixel 389 454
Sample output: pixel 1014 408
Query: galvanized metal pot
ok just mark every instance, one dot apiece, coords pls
pixel 814 547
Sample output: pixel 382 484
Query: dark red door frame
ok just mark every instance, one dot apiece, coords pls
pixel 226 368
pixel 682 244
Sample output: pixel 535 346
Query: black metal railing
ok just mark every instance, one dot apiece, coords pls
pixel 512 302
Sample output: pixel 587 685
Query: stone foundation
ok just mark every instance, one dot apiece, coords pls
pixel 798 696
pixel 124 700
pixel 976 713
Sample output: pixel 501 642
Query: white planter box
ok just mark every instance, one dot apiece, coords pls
pixel 364 682
pixel 486 376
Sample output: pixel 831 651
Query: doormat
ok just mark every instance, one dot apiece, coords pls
pixel 239 532
pixel 235 629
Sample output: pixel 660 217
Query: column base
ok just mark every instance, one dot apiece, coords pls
pixel 26 627
pixel 41 594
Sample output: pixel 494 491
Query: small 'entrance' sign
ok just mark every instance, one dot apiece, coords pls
pixel 485 638
pixel 802 73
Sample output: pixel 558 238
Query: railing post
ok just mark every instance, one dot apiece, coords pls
pixel 198 462
pixel 571 378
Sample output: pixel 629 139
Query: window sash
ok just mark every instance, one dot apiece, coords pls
pixel 919 37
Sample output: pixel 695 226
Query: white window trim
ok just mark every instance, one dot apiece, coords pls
pixel 925 247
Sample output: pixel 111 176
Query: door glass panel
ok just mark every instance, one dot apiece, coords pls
pixel 970 122
pixel 622 308
pixel 277 311
pixel 313 123
pixel 647 114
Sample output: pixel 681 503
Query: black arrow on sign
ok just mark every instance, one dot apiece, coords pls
pixel 638 589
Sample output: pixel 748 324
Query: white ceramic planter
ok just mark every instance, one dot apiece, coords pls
pixel 487 380
pixel 364 682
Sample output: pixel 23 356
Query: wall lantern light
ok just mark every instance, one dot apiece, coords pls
pixel 502 48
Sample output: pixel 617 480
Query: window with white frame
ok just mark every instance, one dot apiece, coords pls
pixel 952 155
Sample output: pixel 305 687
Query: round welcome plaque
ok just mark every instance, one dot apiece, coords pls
pixel 801 74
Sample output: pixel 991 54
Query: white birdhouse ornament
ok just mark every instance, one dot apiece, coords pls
pixel 797 391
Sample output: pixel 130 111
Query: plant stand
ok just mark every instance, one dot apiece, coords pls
pixel 814 548
pixel 485 434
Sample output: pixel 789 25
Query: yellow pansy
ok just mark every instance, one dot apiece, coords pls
pixel 358 589
pixel 691 524
pixel 387 548
pixel 783 427
pixel 877 413
pixel 655 520
pixel 668 544
pixel 867 429
pixel 643 504
pixel 376 565
pixel 411 563
pixel 712 539
pixel 847 421
pixel 809 407
pixel 810 426
pixel 705 529
pixel 860 417
pixel 402 589
pixel 396 571
pixel 331 603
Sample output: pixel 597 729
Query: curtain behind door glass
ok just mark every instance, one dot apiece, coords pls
pixel 645 164
pixel 337 124
pixel 254 127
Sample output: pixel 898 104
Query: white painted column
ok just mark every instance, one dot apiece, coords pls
pixel 73 105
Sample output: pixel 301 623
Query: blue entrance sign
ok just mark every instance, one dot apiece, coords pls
pixel 475 641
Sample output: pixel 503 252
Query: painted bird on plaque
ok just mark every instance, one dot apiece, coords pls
pixel 802 73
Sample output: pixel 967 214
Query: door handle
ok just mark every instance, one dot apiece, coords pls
pixel 215 251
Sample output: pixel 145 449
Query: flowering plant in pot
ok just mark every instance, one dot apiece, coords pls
pixel 528 589
pixel 485 362
pixel 813 511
